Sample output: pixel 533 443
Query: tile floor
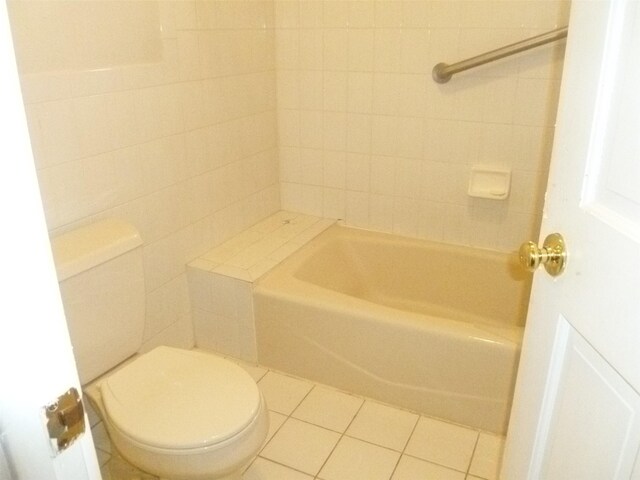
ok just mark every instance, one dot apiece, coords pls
pixel 321 433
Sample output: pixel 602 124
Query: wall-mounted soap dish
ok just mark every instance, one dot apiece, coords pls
pixel 489 182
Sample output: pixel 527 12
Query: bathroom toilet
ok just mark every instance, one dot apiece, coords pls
pixel 178 414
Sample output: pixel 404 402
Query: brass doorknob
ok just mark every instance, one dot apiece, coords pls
pixel 553 255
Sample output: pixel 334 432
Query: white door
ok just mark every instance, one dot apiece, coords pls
pixel 576 407
pixel 36 360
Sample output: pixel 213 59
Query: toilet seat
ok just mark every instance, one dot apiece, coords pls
pixel 180 400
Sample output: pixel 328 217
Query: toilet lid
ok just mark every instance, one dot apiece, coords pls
pixel 180 399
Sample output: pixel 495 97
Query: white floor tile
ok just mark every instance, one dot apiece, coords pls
pixel 357 460
pixel 101 438
pixel 103 457
pixel 301 445
pixel 119 469
pixel 487 456
pixel 256 372
pixel 105 473
pixel 263 469
pixel 275 422
pixel 411 468
pixel 298 447
pixel 442 443
pixel 383 425
pixel 328 408
pixel 283 393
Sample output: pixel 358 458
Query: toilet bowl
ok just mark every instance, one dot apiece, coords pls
pixel 183 415
pixel 178 414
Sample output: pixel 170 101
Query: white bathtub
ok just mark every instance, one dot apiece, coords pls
pixel 427 326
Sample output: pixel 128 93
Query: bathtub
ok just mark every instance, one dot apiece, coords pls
pixel 430 327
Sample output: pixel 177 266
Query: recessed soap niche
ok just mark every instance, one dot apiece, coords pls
pixel 489 182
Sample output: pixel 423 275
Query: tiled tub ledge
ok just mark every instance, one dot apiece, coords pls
pixel 221 281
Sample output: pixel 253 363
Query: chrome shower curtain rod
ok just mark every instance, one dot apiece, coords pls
pixel 443 72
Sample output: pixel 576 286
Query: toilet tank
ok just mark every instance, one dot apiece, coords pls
pixel 101 277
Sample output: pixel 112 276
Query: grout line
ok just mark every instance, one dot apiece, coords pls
pixel 282 465
pixel 342 435
pixel 405 446
pixel 475 447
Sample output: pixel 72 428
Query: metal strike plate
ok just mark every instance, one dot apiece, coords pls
pixel 65 419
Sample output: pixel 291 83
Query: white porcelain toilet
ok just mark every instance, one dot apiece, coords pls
pixel 178 414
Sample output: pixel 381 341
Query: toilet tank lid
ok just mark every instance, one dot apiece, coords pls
pixel 86 247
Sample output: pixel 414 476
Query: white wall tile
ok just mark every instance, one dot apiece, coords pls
pixel 405 216
pixel 90 129
pixel 381 212
pixel 335 91
pixel 311 14
pixel 335 55
pixel 146 142
pixel 382 175
pixel 387 46
pixel 358 172
pixel 334 131
pixel 333 203
pixel 361 14
pixel 335 14
pixel 388 14
pixel 501 114
pixel 335 169
pixel 166 305
pixel 311 45
pixel 361 49
pixel 311 90
pixel 311 128
pixel 287 14
pixel 360 92
pixel 357 208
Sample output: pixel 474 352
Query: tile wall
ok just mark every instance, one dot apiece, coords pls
pixel 182 145
pixel 233 109
pixel 367 136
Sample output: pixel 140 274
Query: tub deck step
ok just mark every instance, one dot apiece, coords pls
pixel 221 281
pixel 255 251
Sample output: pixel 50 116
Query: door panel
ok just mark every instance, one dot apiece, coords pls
pixel 576 400
pixel 36 360
pixel 594 415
